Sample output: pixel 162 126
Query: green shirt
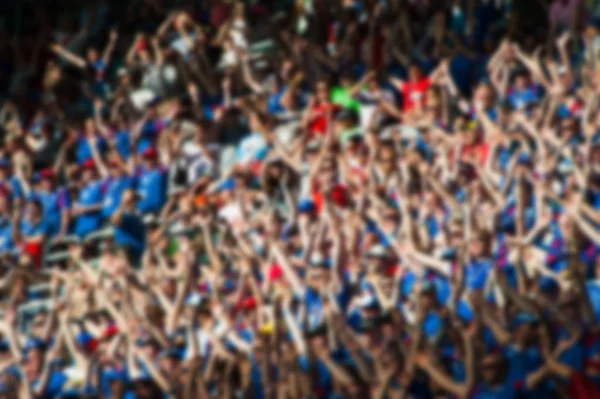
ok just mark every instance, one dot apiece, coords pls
pixel 342 97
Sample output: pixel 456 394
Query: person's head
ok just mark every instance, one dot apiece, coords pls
pixel 38 323
pixel 347 79
pixel 92 55
pixel 522 80
pixel 89 127
pixel 145 343
pixel 35 350
pixel 34 210
pixel 47 179
pixel 316 277
pixel 145 388
pixel 118 382
pixel 471 134
pixel 88 172
pixel 328 173
pixel 150 158
pixel 479 246
pixel 415 72
pixel 433 99
pixel 128 200
pixel 484 95
pixel 322 91
pixel 170 361
pixel 494 368
pixel 568 127
pixel 428 298
pixel 387 158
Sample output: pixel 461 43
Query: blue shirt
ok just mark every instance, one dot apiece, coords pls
pixel 148 135
pixel 131 232
pixel 6 236
pixel 152 188
pixel 115 186
pixel 84 151
pixel 53 203
pixel 519 99
pixel 506 390
pixel 324 383
pixel 88 222
pixel 477 273
pixel 55 385
pixel 14 186
pixel 123 143
pixel 29 229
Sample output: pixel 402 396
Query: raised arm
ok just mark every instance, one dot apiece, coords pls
pixel 112 41
pixel 69 56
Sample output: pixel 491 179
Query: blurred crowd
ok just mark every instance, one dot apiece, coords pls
pixel 300 199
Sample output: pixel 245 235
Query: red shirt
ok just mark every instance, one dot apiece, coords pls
pixel 479 150
pixel 414 93
pixel 319 125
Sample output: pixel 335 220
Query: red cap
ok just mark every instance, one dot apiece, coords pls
pixel 110 331
pixel 249 303
pixel 150 153
pixel 47 173
pixel 89 164
pixel 339 196
pixel 276 272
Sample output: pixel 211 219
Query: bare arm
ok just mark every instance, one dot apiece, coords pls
pixel 69 56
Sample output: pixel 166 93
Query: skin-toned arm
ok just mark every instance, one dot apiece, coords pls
pixel 288 271
pixel 112 40
pixel 159 57
pixel 69 56
pixel 155 373
pixel 440 378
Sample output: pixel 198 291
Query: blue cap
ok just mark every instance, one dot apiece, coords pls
pixel 4 162
pixel 227 185
pixel 173 353
pixel 306 206
pixel 524 158
pixel 85 340
pixel 548 284
pixel 433 326
pixel 229 285
pixel 34 343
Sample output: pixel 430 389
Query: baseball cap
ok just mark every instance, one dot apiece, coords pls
pixel 305 206
pixel 34 343
pixel 88 164
pixel 150 152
